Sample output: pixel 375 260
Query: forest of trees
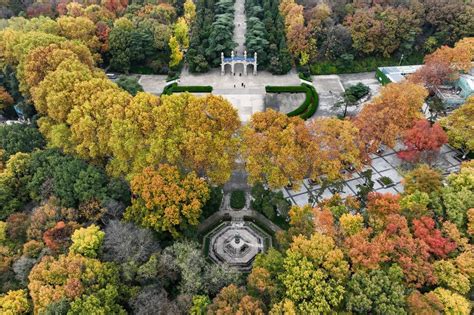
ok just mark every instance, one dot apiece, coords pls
pixel 356 36
pixel 126 37
pixel 327 37
pixel 101 194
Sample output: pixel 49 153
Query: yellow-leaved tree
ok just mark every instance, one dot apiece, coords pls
pixel 165 200
pixel 130 133
pixel 274 148
pixel 45 59
pixel 333 147
pixel 197 133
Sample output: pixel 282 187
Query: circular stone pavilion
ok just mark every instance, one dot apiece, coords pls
pixel 236 243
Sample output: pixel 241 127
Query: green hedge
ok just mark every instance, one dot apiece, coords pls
pixel 310 104
pixel 305 77
pixel 175 88
pixel 285 89
pixel 237 199
pixel 381 77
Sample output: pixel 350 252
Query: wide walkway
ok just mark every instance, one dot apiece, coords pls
pixel 240 26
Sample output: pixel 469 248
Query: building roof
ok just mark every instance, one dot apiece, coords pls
pixel 469 79
pixel 398 73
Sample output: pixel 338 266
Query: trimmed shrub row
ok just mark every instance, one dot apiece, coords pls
pixel 174 88
pixel 310 104
pixel 285 89
pixel 237 199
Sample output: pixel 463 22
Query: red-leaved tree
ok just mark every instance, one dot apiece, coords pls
pixel 425 230
pixel 422 142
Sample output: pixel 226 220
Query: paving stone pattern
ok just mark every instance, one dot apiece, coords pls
pixel 388 164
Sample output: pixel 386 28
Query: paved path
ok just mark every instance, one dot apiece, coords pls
pixel 236 215
pixel 153 83
pixel 240 26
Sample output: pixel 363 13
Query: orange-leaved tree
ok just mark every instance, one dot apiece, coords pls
pixel 388 115
pixel 165 200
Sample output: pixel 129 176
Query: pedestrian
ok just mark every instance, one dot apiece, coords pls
pixel 242 84
pixel 240 74
pixel 234 86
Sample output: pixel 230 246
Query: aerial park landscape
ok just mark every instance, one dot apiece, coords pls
pixel 236 157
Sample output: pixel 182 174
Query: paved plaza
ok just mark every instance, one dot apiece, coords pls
pixel 330 88
pixel 249 99
pixel 386 165
pixel 247 93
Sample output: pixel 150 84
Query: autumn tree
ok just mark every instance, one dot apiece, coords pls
pixel 315 274
pixel 423 179
pixel 427 303
pixel 388 115
pixel 165 200
pixel 324 222
pixel 16 45
pixel 432 74
pixel 452 302
pixel 297 33
pixel 176 53
pixel 332 148
pixel 189 11
pixel 5 98
pixel 458 57
pixel 411 253
pixel 14 302
pixel 351 224
pixel 81 29
pixel 416 205
pixel 366 252
pixel 90 127
pixel 451 277
pixel 458 196
pixel 264 279
pixel 53 96
pixel 197 133
pixel 71 277
pixel 422 142
pixel 13 183
pixel 425 230
pixel 301 223
pixel 394 244
pixel 380 206
pixel 58 238
pixel 87 241
pixel 181 32
pixel 383 30
pixel 131 128
pixel 210 144
pixel 459 127
pixel 42 60
pixel 275 146
pixel 232 299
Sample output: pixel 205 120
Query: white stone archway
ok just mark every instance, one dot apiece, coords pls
pixel 234 60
